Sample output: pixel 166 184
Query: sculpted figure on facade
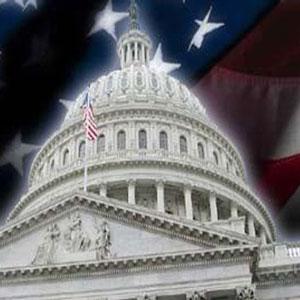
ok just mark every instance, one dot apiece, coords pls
pixel 246 293
pixel 75 239
pixel 46 251
pixel 103 242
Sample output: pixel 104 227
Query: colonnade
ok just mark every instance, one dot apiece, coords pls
pixel 187 190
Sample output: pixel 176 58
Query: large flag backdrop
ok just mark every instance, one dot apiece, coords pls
pixel 254 92
pixel 241 57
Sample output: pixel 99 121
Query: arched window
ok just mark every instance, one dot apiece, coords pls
pixel 142 139
pixel 121 140
pixel 216 157
pixel 66 157
pixel 101 143
pixel 200 151
pixel 81 149
pixel 227 167
pixel 52 163
pixel 163 140
pixel 183 144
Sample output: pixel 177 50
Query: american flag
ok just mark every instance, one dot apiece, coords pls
pixel 90 126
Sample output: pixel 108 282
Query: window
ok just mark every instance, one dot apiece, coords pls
pixel 163 140
pixel 142 139
pixel 52 163
pixel 200 151
pixel 81 149
pixel 121 140
pixel 66 157
pixel 216 157
pixel 101 143
pixel 183 144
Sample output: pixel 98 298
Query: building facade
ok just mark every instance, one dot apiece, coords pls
pixel 167 215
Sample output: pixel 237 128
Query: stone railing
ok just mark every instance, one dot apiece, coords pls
pixel 293 250
pixel 279 254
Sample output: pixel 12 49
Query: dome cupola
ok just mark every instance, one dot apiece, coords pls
pixel 134 47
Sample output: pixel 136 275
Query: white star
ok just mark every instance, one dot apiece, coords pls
pixel 204 28
pixel 107 19
pixel 15 153
pixel 33 3
pixel 158 64
pixel 67 104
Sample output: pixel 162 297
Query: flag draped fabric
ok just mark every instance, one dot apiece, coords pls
pixel 91 131
pixel 254 92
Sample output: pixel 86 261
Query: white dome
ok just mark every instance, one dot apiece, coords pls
pixel 137 86
pixel 157 149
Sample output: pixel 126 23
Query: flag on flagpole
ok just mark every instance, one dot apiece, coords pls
pixel 91 132
pixel 90 125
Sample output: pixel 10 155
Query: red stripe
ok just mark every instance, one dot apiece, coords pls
pixel 91 130
pixel 281 178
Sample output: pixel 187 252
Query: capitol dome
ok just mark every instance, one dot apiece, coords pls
pixel 157 150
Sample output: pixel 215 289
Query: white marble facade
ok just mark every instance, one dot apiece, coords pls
pixel 168 213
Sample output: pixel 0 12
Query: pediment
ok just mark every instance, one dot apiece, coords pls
pixel 87 228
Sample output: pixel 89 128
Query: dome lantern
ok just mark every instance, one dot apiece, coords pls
pixel 134 46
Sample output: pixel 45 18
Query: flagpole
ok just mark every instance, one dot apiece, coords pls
pixel 85 166
pixel 85 180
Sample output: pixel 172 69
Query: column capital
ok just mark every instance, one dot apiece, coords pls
pixel 187 186
pixel 213 193
pixel 131 181
pixel 160 182
pixel 246 293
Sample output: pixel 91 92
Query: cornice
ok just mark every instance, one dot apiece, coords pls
pixel 272 276
pixel 149 220
pixel 147 263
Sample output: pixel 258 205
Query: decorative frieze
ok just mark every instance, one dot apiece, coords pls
pixel 103 242
pixel 75 238
pixel 46 251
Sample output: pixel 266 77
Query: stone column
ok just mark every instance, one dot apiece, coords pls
pixel 110 138
pixel 131 135
pixel 251 227
pixel 234 210
pixel 188 202
pixel 263 236
pixel 147 56
pixel 103 189
pixel 122 57
pixel 127 54
pixel 131 192
pixel 213 206
pixel 143 54
pixel 160 191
